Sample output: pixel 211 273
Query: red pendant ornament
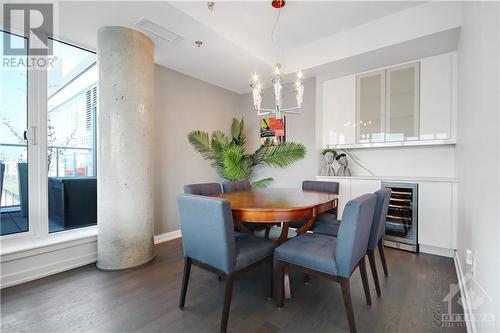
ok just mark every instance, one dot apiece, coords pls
pixel 278 4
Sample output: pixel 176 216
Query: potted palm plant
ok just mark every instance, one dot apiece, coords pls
pixel 230 159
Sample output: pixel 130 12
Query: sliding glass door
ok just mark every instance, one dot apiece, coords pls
pixel 48 168
pixel 13 141
pixel 71 138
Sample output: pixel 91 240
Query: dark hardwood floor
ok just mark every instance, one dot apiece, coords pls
pixel 145 300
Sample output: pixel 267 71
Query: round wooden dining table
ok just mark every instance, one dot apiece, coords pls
pixel 279 205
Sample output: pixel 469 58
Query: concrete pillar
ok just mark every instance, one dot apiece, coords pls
pixel 125 217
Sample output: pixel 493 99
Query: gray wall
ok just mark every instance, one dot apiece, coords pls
pixel 478 150
pixel 300 128
pixel 182 104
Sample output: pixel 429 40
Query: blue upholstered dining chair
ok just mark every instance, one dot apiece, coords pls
pixel 208 241
pixel 328 187
pixel 376 233
pixel 333 258
pixel 203 189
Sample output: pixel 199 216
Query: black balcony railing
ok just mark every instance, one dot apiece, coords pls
pixel 64 156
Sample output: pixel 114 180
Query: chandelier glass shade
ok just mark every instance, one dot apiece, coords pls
pixel 277 81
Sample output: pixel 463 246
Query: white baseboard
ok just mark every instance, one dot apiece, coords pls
pixel 471 327
pixel 438 251
pixel 46 270
pixel 28 265
pixel 33 266
pixel 167 236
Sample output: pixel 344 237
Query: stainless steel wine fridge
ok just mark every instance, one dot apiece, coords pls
pixel 401 225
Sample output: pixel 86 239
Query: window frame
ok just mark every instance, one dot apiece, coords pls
pixel 38 235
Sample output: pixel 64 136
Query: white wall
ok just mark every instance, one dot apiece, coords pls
pixel 478 149
pixel 300 128
pixel 182 104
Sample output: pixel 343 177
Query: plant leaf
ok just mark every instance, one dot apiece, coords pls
pixel 219 141
pixel 238 132
pixel 235 166
pixel 284 154
pixel 262 182
pixel 258 156
pixel 201 143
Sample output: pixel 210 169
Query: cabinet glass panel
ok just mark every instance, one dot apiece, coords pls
pixel 370 107
pixel 402 98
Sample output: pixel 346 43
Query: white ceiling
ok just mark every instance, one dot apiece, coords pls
pixel 249 24
pixel 236 35
pixel 218 61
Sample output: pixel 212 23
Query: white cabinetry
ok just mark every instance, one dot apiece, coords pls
pixel 435 214
pixel 436 207
pixel 344 194
pixel 406 105
pixel 339 106
pixel 350 188
pixel 436 114
pixel 362 186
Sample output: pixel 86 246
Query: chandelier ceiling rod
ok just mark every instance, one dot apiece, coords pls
pixel 277 79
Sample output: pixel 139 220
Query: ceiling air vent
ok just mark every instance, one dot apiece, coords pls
pixel 158 30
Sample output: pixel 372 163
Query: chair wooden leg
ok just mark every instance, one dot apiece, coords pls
pixel 268 230
pixel 286 282
pixel 373 266
pixel 271 280
pixel 364 279
pixel 185 281
pixel 227 302
pixel 346 295
pixel 279 281
pixel 382 256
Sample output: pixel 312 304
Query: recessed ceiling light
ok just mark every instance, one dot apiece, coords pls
pixel 199 43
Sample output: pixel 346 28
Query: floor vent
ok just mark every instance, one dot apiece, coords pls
pixel 158 30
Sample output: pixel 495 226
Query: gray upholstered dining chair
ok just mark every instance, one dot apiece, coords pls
pixel 236 186
pixel 334 258
pixel 203 189
pixel 329 187
pixel 240 186
pixel 376 233
pixel 208 241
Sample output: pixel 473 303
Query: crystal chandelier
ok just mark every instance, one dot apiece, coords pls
pixel 277 80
